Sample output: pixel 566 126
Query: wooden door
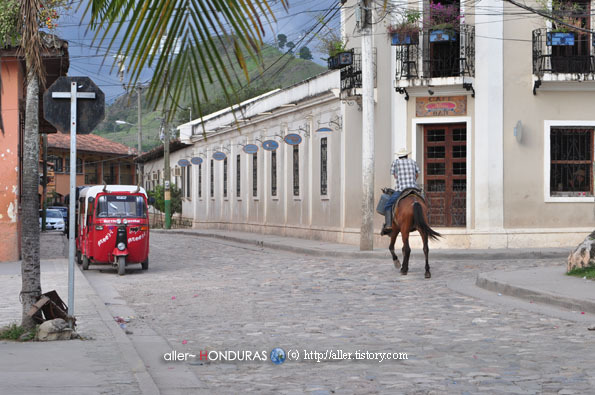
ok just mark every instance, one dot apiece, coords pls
pixel 445 173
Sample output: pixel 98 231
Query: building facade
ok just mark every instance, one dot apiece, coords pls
pixel 497 112
pixel 12 100
pixel 99 160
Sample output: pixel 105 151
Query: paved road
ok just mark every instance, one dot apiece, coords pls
pixel 233 297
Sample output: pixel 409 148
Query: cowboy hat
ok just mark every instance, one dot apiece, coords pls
pixel 402 152
pixel 579 172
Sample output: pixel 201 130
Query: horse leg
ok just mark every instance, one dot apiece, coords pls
pixel 406 252
pixel 426 251
pixel 391 247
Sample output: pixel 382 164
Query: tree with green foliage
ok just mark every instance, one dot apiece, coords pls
pixel 159 195
pixel 290 46
pixel 21 25
pixel 305 53
pixel 281 40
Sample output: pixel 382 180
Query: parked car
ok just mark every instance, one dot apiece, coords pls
pixel 64 211
pixel 53 220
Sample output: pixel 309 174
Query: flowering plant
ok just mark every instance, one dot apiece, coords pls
pixel 444 16
pixel 408 24
pixel 564 11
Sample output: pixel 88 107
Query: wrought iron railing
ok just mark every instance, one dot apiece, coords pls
pixel 446 54
pixel 568 53
pixel 351 76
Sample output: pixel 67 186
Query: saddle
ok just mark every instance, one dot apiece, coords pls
pixel 407 192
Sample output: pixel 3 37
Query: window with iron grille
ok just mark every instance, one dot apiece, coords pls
pixel 212 191
pixel 183 183
pixel 571 161
pixel 188 180
pixel 273 173
pixel 255 175
pixel 225 177
pixel 200 180
pixel 296 170
pixel 323 166
pixel 238 177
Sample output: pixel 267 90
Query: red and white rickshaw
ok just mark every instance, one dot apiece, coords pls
pixel 113 226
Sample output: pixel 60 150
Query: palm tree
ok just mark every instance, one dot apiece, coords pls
pixel 182 40
pixel 31 45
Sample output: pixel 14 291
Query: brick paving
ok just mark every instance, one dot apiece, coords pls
pixel 234 297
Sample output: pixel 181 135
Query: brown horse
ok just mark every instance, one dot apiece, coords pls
pixel 410 214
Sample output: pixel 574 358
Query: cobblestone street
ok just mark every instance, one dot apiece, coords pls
pixel 204 294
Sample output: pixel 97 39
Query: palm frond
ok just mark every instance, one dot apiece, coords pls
pixel 182 41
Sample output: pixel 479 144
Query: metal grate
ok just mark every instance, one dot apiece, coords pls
pixel 254 175
pixel 432 59
pixel 351 76
pixel 571 161
pixel 225 177
pixel 238 176
pixel 296 170
pixel 273 173
pixel 200 180
pixel 568 59
pixel 212 191
pixel 323 166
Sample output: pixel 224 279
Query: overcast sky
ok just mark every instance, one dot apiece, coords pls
pixel 86 59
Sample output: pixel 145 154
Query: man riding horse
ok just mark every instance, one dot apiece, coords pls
pixel 405 171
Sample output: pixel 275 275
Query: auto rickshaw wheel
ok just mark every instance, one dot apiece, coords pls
pixel 85 262
pixel 121 265
pixel 78 257
pixel 145 264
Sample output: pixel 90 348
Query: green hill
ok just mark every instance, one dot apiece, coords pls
pixel 277 74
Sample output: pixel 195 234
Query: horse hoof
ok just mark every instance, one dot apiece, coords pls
pixel 397 264
pixel 428 275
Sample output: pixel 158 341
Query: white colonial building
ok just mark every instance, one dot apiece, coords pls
pixel 498 112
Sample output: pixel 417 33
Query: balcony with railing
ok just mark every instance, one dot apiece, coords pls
pixel 437 58
pixel 350 65
pixel 562 56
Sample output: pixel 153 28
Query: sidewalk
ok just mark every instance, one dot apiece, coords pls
pixel 546 285
pixel 105 362
pixel 329 249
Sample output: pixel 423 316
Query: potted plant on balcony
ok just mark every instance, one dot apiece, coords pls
pixel 563 14
pixel 444 22
pixel 406 30
pixel 331 43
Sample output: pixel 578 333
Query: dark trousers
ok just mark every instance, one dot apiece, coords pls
pixel 388 209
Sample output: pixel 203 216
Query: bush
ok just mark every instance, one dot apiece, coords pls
pixel 159 195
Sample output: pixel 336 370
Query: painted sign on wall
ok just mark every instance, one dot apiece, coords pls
pixel 270 145
pixel 440 106
pixel 251 148
pixel 293 139
pixel 183 163
pixel 196 160
pixel 219 155
pixel 324 130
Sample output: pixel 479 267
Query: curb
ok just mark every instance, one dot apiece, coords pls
pixel 384 254
pixel 490 284
pixel 129 353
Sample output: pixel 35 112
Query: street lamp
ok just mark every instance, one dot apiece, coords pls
pixel 139 167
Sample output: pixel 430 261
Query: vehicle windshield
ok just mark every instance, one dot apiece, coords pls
pixel 121 206
pixel 53 214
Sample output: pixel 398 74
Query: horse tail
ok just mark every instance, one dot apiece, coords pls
pixel 420 223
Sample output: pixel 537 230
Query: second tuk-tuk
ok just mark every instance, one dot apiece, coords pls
pixel 113 226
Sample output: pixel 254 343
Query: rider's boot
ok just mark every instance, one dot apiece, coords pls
pixel 388 221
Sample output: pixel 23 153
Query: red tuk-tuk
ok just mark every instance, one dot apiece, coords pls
pixel 113 226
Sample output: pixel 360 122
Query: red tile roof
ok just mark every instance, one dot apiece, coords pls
pixel 89 143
